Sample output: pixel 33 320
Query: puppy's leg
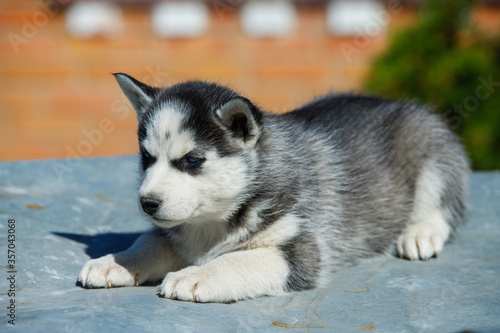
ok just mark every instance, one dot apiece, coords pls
pixel 429 231
pixel 232 276
pixel 148 259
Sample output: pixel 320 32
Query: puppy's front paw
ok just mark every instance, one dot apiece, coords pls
pixel 423 240
pixel 105 272
pixel 194 284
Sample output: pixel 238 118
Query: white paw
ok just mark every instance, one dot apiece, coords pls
pixel 194 284
pixel 105 272
pixel 423 240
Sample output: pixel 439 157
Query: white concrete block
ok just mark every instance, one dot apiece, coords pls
pixel 178 19
pixel 93 18
pixel 268 18
pixel 356 17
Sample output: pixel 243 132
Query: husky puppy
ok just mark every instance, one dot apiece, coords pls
pixel 246 203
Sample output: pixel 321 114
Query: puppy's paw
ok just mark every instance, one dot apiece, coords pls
pixel 423 240
pixel 195 284
pixel 105 272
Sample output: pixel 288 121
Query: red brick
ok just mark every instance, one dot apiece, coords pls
pixel 55 86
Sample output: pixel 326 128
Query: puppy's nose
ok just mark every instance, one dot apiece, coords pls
pixel 150 205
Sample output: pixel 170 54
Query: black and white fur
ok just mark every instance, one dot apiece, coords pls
pixel 246 203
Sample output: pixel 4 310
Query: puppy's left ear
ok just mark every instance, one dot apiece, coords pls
pixel 237 116
pixel 139 94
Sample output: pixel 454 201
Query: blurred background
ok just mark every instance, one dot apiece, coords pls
pixel 59 100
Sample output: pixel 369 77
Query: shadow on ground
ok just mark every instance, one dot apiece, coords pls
pixel 102 244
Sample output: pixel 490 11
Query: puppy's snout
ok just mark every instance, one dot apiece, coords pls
pixel 150 205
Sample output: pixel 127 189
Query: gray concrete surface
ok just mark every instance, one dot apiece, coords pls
pixel 69 211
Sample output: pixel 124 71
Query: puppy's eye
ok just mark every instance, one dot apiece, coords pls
pixel 192 160
pixel 190 163
pixel 147 159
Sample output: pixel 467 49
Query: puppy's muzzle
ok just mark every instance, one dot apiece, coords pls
pixel 150 205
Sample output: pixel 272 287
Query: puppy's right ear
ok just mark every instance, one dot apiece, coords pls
pixel 139 94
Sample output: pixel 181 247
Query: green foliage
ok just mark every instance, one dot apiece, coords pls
pixel 445 62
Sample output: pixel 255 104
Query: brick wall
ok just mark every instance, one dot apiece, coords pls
pixel 56 92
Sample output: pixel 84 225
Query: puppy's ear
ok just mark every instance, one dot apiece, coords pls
pixel 138 93
pixel 237 116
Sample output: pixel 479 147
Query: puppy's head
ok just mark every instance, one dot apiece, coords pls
pixel 197 148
